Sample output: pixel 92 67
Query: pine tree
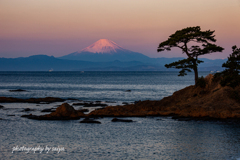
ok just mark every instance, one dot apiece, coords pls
pixel 230 76
pixel 194 43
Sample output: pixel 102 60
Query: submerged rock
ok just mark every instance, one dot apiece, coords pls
pixel 83 110
pixel 121 120
pixel 47 110
pixel 87 120
pixel 17 90
pixel 27 110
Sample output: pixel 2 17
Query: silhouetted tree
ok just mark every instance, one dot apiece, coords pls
pixel 230 76
pixel 194 43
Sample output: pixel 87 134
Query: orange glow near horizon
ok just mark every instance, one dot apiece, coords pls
pixel 136 25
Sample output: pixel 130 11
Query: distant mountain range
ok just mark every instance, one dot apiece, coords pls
pixel 103 55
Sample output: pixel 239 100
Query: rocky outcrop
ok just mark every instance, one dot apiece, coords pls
pixel 63 112
pixel 121 120
pixel 30 100
pixel 213 101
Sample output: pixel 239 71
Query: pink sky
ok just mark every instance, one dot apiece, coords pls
pixel 60 27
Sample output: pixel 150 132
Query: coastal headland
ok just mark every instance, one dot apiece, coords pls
pixel 212 101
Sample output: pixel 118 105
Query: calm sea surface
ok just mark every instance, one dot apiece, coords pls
pixel 146 138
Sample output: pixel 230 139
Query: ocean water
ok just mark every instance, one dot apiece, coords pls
pixel 145 138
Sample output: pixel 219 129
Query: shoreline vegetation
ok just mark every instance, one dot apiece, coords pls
pixel 211 102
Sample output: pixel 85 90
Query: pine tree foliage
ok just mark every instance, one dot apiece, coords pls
pixel 193 42
pixel 230 76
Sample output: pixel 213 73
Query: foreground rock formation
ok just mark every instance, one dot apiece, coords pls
pixel 63 112
pixel 213 101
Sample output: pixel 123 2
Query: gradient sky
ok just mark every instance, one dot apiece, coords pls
pixel 60 27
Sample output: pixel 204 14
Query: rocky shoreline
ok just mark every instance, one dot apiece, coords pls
pixel 213 102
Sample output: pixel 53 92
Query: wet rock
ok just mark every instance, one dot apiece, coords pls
pixel 111 102
pixel 27 110
pixel 125 103
pixel 1 119
pixel 72 99
pixel 95 105
pixel 83 110
pixel 47 110
pixel 79 104
pixel 128 90
pixel 17 90
pixel 121 120
pixel 1 107
pixel 11 115
pixel 87 120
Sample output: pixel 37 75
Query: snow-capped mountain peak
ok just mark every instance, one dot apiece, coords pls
pixel 103 46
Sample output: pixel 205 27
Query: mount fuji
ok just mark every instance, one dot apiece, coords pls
pixel 105 50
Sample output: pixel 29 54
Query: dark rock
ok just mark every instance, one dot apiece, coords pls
pixel 128 90
pixel 121 120
pixel 83 110
pixel 95 105
pixel 1 107
pixel 79 104
pixel 17 90
pixel 11 115
pixel 136 102
pixel 87 120
pixel 27 110
pixel 47 110
pixel 1 119
pixel 125 103
pixel 181 118
pixel 72 99
pixel 110 102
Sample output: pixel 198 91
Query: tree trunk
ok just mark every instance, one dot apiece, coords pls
pixel 195 69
